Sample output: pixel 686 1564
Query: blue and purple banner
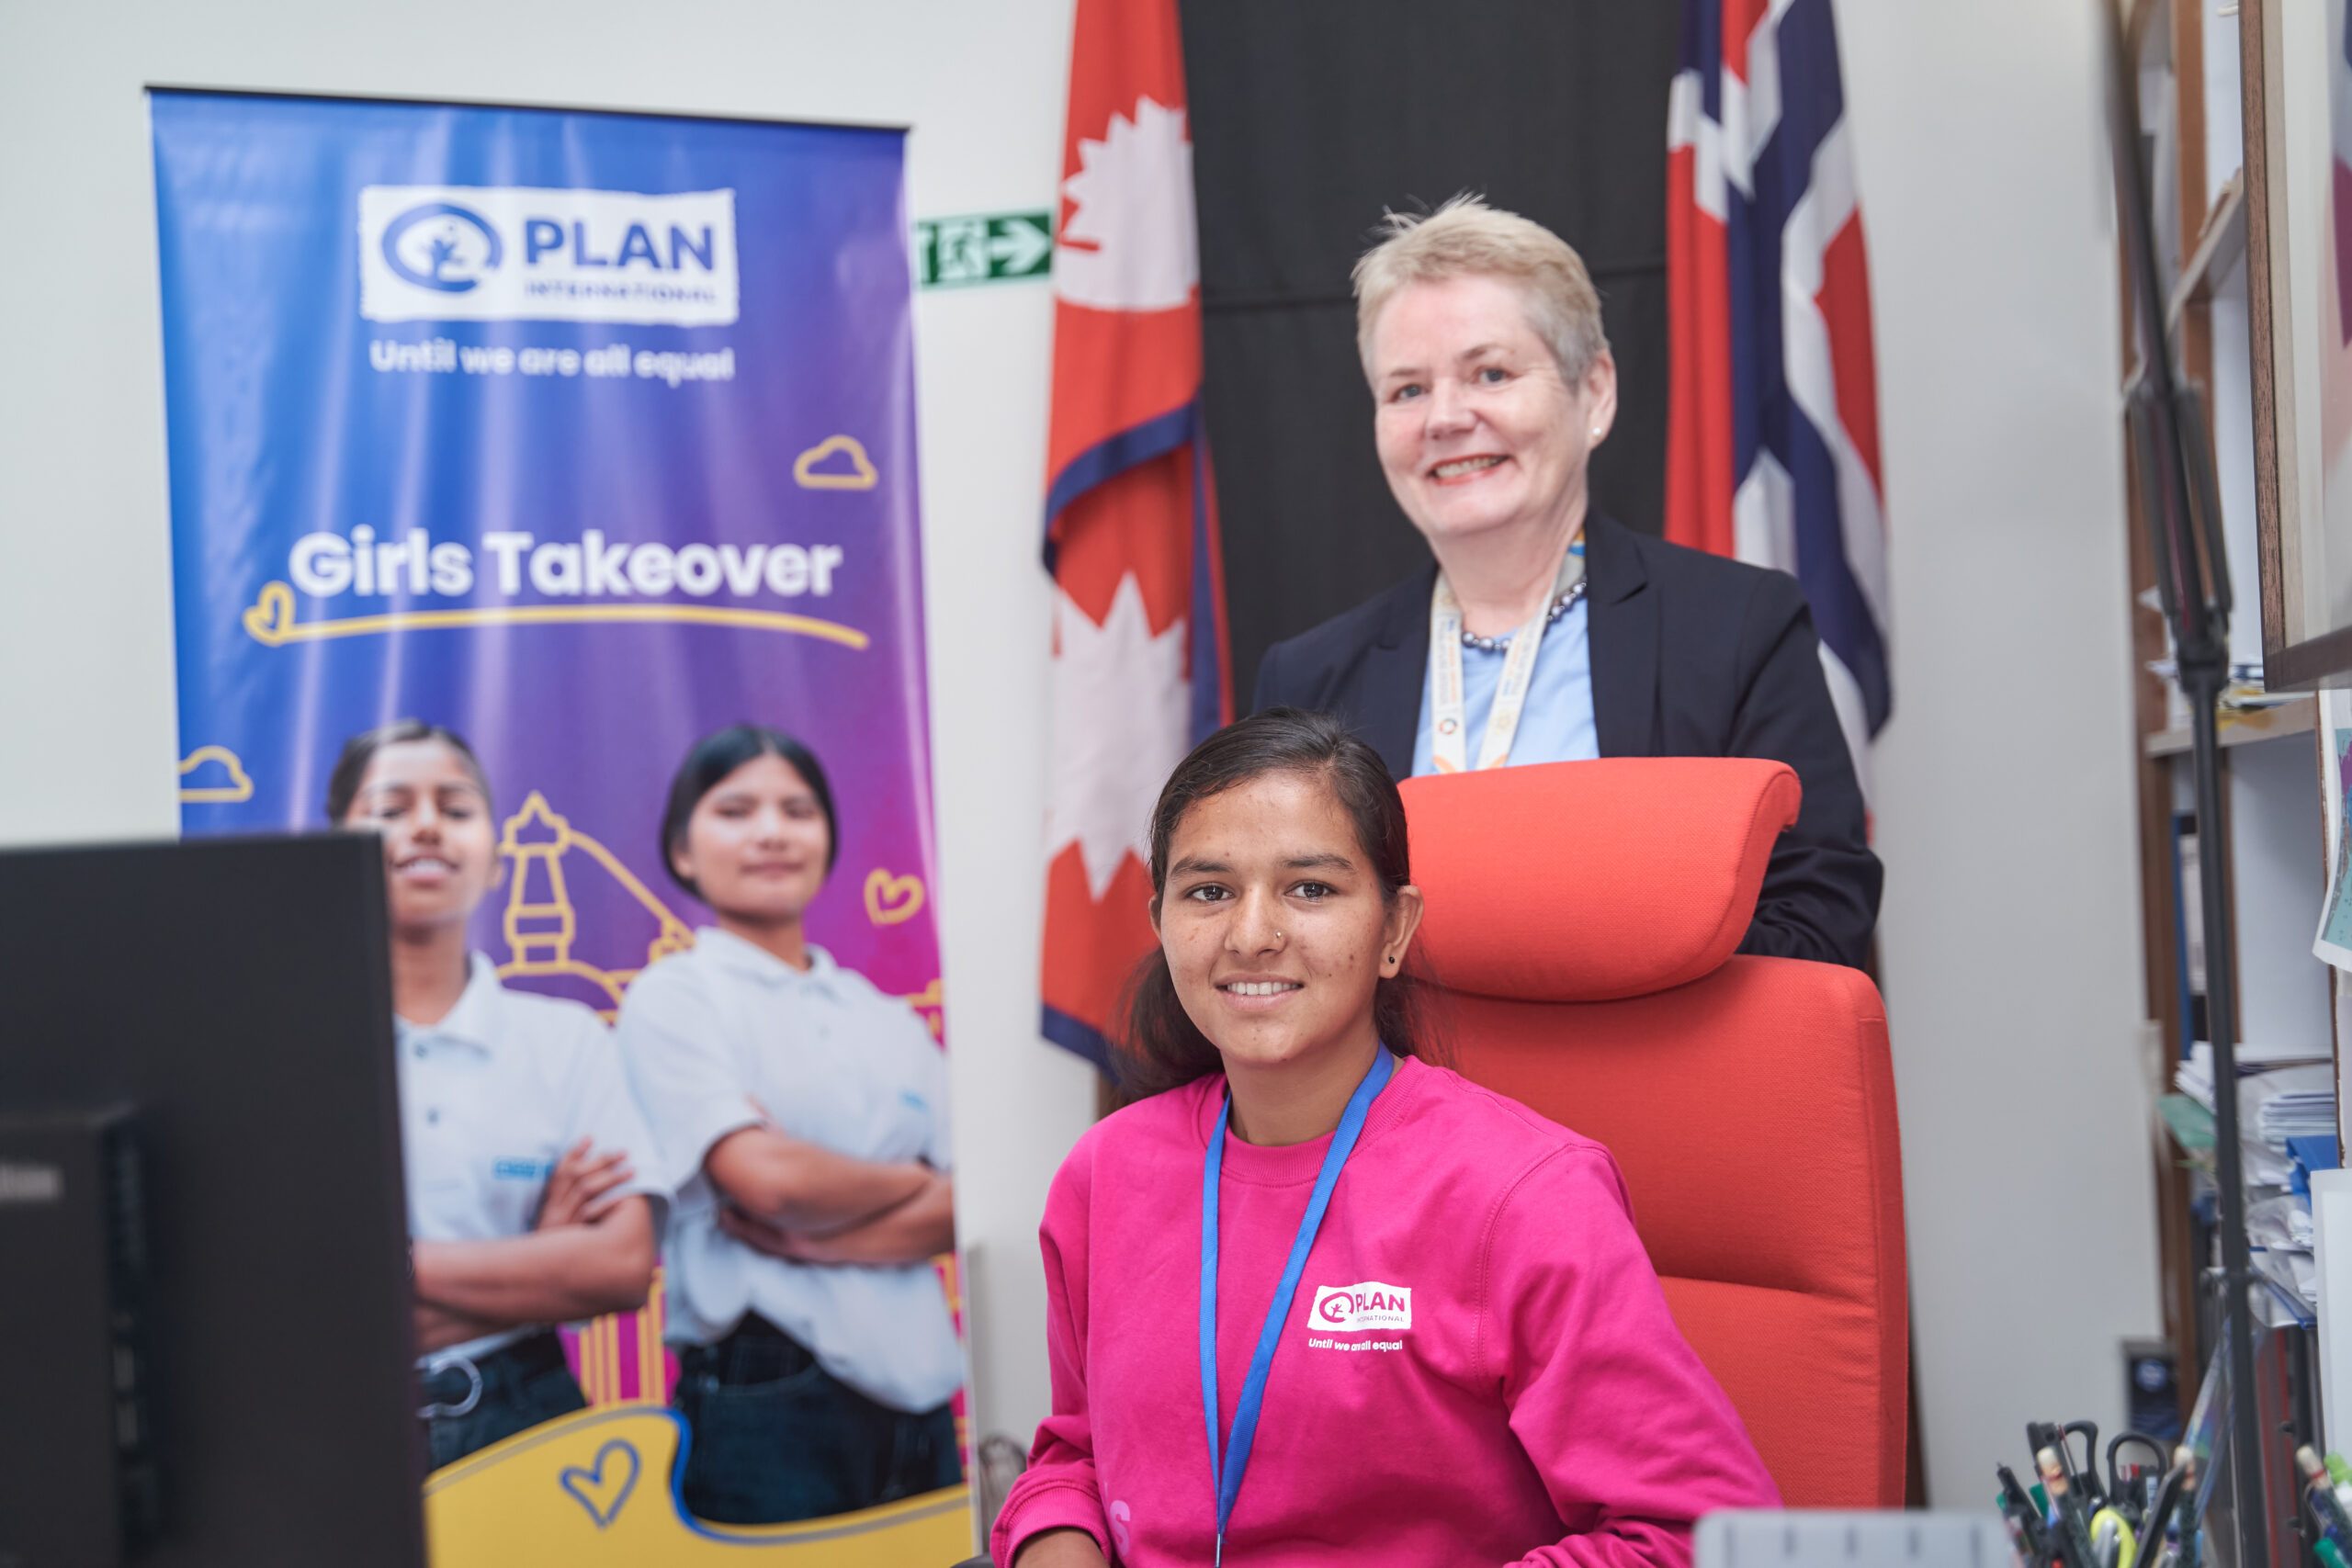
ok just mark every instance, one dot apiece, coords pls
pixel 581 434
pixel 584 435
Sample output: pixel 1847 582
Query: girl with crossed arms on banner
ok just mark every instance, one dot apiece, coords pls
pixel 803 1117
pixel 1424 1330
pixel 521 1142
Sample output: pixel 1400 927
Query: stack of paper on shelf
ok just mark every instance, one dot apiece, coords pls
pixel 2285 1122
pixel 2290 1102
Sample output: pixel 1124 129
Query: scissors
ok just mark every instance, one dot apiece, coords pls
pixel 2118 1487
pixel 2084 1476
pixel 2113 1544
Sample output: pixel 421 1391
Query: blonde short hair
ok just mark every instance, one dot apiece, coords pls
pixel 1467 238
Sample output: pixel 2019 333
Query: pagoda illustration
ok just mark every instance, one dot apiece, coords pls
pixel 540 923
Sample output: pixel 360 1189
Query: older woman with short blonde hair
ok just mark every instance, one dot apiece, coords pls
pixel 1492 382
pixel 1468 238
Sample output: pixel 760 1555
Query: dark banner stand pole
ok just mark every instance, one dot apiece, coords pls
pixel 2250 1496
pixel 2173 459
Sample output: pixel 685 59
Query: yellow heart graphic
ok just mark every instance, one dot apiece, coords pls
pixel 890 900
pixel 271 619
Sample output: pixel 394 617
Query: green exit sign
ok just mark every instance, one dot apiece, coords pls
pixel 992 248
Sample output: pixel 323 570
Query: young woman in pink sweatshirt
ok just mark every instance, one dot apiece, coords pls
pixel 1315 1300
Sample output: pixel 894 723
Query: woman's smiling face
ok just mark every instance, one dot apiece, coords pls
pixel 1273 923
pixel 440 849
pixel 1477 428
pixel 756 845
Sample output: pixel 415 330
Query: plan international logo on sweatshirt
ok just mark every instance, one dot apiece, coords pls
pixel 1358 1309
pixel 519 253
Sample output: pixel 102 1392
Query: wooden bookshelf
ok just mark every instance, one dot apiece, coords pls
pixel 2220 248
pixel 2241 726
pixel 2267 791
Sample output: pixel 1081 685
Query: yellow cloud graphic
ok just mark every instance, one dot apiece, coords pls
pixel 816 470
pixel 213 775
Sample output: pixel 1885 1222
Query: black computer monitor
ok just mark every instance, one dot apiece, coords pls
pixel 232 999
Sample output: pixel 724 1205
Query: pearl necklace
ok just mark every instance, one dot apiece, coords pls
pixel 1559 607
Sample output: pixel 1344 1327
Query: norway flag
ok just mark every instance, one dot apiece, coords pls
pixel 1138 652
pixel 1772 416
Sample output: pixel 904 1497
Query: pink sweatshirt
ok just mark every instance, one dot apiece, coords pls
pixel 1478 1366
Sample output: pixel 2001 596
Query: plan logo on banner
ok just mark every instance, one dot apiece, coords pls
pixel 514 252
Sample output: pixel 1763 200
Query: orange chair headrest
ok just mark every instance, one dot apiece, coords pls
pixel 1587 882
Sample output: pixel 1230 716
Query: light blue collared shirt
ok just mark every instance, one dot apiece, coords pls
pixel 491 1097
pixel 724 1036
pixel 1555 726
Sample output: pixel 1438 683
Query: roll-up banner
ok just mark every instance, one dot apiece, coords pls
pixel 585 435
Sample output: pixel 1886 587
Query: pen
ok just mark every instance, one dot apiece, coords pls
pixel 2019 1503
pixel 2040 1435
pixel 2168 1498
pixel 2320 1496
pixel 2341 1474
pixel 2067 1515
pixel 2024 1533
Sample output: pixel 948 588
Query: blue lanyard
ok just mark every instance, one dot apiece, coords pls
pixel 1227 1478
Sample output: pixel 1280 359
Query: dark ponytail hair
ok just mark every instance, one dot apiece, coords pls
pixel 351 767
pixel 719 753
pixel 1162 1046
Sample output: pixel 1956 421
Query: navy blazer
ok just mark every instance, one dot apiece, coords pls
pixel 1693 656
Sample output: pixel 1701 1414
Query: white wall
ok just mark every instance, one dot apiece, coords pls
pixel 86 704
pixel 2010 931
pixel 2004 806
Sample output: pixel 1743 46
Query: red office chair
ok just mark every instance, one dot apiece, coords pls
pixel 1581 922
